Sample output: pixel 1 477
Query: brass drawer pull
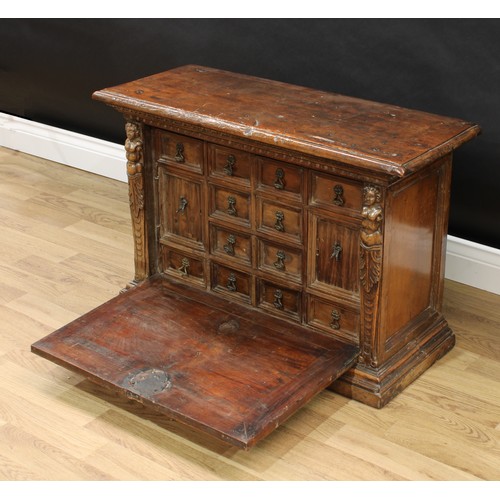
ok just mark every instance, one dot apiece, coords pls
pixel 335 324
pixel 280 260
pixel 182 205
pixel 231 206
pixel 179 155
pixel 184 266
pixel 230 164
pixel 278 299
pixel 336 251
pixel 338 191
pixel 278 225
pixel 231 283
pixel 229 246
pixel 279 183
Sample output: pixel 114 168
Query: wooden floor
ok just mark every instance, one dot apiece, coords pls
pixel 66 247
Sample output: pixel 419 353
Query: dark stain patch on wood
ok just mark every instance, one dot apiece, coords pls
pixel 236 377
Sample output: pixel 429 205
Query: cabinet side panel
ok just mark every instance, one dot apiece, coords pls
pixel 408 256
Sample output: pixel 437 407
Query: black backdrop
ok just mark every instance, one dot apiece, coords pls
pixel 50 67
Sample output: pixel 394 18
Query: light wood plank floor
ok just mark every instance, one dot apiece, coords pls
pixel 66 247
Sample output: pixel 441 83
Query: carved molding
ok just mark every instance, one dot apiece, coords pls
pixel 225 139
pixel 370 268
pixel 135 165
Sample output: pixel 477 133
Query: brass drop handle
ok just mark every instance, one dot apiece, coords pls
pixel 230 164
pixel 179 154
pixel 278 299
pixel 280 260
pixel 184 266
pixel 338 198
pixel 231 206
pixel 182 205
pixel 336 251
pixel 279 182
pixel 278 225
pixel 231 283
pixel 229 246
pixel 335 324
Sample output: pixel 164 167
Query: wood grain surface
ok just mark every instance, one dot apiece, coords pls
pixel 331 125
pixel 67 248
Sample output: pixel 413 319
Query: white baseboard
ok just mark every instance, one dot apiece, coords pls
pixel 466 262
pixel 473 264
pixel 62 146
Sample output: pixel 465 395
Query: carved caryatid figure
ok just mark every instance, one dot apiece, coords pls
pixel 370 270
pixel 371 237
pixel 372 216
pixel 134 153
pixel 133 149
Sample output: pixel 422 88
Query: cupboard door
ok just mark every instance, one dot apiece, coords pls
pixel 334 254
pixel 181 202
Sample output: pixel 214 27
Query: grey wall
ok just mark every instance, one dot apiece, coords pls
pixel 50 67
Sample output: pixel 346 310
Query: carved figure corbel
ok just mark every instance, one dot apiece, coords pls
pixel 370 270
pixel 134 154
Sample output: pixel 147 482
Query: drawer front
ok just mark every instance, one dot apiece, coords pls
pixel 233 283
pixel 181 202
pixel 183 266
pixel 231 165
pixel 334 254
pixel 279 178
pixel 230 244
pixel 333 318
pixel 280 221
pixel 230 205
pixel 279 260
pixel 336 192
pixel 184 152
pixel 279 300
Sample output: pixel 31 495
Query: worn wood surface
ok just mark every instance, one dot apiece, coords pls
pixel 234 375
pixel 331 125
pixel 67 247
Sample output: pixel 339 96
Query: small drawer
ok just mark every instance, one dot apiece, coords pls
pixel 184 152
pixel 230 205
pixel 333 318
pixel 279 300
pixel 230 164
pixel 280 260
pixel 281 178
pixel 279 221
pixel 336 192
pixel 183 266
pixel 230 244
pixel 231 282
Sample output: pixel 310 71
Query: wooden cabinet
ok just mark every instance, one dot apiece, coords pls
pixel 286 240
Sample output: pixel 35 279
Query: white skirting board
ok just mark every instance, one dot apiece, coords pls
pixel 466 262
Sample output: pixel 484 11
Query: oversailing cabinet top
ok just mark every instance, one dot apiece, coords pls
pixel 378 137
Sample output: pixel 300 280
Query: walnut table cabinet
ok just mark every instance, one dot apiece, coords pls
pixel 286 240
